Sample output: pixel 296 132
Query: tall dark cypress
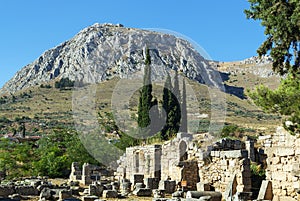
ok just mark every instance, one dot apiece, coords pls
pixel 145 100
pixel 176 107
pixel 166 104
pixel 176 90
pixel 171 106
pixel 184 126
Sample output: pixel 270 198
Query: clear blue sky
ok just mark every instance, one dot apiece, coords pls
pixel 28 28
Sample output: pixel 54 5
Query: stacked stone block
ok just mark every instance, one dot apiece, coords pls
pixel 224 165
pixel 283 165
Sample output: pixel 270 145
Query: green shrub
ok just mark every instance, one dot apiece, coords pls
pixel 231 131
pixel 257 170
pixel 64 83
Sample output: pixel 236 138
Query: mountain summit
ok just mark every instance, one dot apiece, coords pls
pixel 102 51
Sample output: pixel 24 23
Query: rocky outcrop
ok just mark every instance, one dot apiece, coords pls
pixel 102 51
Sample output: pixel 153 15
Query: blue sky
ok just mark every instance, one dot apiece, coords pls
pixel 28 28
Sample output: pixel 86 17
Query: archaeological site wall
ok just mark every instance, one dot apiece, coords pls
pixel 283 165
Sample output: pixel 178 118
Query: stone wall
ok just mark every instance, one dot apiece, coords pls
pixel 190 174
pixel 88 173
pixel 283 165
pixel 173 152
pixel 181 160
pixel 223 166
pixel 144 160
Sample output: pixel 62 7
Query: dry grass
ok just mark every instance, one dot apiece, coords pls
pixel 54 107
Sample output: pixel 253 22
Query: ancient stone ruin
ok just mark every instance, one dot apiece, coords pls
pixel 179 165
pixel 88 174
pixel 283 167
pixel 185 168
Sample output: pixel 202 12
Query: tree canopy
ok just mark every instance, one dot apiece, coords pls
pixel 285 100
pixel 281 19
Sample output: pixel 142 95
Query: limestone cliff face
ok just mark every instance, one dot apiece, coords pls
pixel 102 51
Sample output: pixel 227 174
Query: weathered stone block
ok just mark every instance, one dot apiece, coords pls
pixel 26 190
pixel 275 160
pixel 215 154
pixel 265 137
pixel 296 185
pixel 234 154
pixel 297 150
pixel 152 183
pixel 137 178
pixel 125 187
pixel 139 185
pixel 280 176
pixel 284 151
pixel 110 194
pixel 296 167
pixel 64 194
pixel 232 163
pixel 286 198
pixel 178 194
pixel 168 186
pixel 89 198
pixel 143 192
pixel 203 186
pixel 46 194
pixel 95 190
pixel 157 193
pixel 224 163
pixel 288 168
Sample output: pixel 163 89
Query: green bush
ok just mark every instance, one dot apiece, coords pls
pixel 64 83
pixel 231 131
pixel 257 170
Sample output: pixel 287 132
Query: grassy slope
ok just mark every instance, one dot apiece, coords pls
pixel 48 108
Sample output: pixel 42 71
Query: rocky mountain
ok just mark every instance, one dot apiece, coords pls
pixel 102 51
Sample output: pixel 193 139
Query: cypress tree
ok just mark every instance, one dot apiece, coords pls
pixel 145 95
pixel 183 127
pixel 172 108
pixel 176 90
pixel 176 107
pixel 166 104
pixel 146 101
